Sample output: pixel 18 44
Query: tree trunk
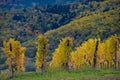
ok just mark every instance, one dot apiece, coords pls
pixel 116 56
pixel 68 57
pixel 11 67
pixel 43 69
pixel 118 64
pixel 67 66
pixel 44 60
pixel 95 55
pixel 67 63
pixel 43 64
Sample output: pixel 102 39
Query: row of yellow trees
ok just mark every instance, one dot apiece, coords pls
pixel 92 53
pixel 108 53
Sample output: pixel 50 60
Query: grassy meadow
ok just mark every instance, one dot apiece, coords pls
pixel 78 74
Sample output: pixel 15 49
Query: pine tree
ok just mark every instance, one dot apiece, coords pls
pixel 42 52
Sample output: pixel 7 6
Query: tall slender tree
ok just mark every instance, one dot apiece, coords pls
pixel 15 56
pixel 112 50
pixel 116 44
pixel 84 55
pixel 42 52
pixel 61 56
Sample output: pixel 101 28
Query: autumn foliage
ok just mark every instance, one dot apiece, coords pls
pixel 16 51
pixel 107 54
pixel 61 55
pixel 42 52
pixel 107 51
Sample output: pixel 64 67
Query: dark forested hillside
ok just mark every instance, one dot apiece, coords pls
pixel 40 2
pixel 79 20
pixel 27 3
pixel 96 25
pixel 25 23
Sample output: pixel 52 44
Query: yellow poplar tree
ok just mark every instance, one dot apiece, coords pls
pixel 101 55
pixel 84 54
pixel 42 52
pixel 19 57
pixel 119 54
pixel 112 50
pixel 108 52
pixel 61 56
pixel 15 55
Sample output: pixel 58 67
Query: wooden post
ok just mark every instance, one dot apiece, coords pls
pixel 95 55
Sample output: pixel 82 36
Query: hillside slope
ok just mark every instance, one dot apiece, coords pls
pixel 26 3
pixel 76 20
pixel 102 24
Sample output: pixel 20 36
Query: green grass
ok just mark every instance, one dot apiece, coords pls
pixel 80 74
